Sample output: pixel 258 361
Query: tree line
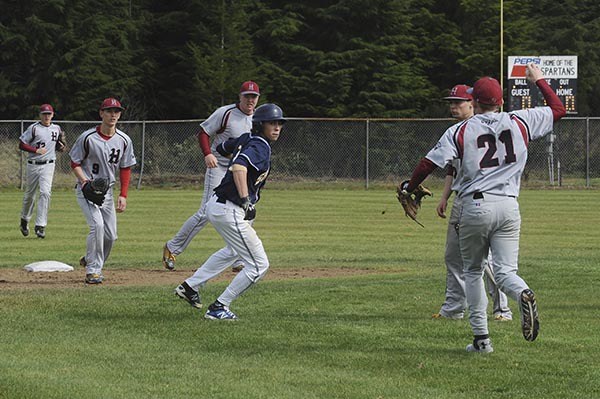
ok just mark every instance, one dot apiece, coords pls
pixel 181 59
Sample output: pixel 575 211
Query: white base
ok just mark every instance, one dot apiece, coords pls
pixel 48 266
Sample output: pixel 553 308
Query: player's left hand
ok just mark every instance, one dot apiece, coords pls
pixel 441 208
pixel 121 204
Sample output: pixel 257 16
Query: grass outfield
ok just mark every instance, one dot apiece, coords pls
pixel 359 336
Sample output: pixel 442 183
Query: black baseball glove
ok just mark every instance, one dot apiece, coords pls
pixel 61 143
pixel 95 190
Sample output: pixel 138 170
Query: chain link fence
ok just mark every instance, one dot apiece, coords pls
pixel 364 151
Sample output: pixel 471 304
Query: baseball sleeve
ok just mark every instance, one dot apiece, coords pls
pixel 27 136
pixel 445 150
pixel 128 158
pixel 214 122
pixel 539 121
pixel 255 155
pixel 77 153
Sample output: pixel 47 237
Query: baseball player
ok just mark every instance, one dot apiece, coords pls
pixel 41 140
pixel 101 152
pixel 229 121
pixel 231 211
pixel 491 149
pixel 461 108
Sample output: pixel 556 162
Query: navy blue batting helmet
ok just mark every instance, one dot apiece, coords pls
pixel 266 113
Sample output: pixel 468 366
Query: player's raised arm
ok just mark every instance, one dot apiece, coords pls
pixel 534 75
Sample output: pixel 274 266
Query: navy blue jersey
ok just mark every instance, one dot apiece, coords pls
pixel 253 152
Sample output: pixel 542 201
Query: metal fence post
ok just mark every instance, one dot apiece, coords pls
pixel 139 183
pixel 367 154
pixel 21 156
pixel 587 152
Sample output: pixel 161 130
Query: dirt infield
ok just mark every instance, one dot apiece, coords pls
pixel 21 279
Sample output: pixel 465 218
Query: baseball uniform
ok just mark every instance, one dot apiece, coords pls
pixel 492 151
pixel 100 156
pixel 227 216
pixel 40 170
pixel 231 215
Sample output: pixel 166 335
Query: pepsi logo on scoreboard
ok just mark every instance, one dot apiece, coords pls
pixel 519 65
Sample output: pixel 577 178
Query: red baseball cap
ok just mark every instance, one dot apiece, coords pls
pixel 46 109
pixel 459 92
pixel 487 91
pixel 249 87
pixel 111 103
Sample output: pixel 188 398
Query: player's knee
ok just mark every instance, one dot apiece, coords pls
pixel 501 278
pixel 256 271
pixel 45 195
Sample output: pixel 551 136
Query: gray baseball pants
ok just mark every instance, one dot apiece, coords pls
pixel 492 223
pixel 456 302
pixel 38 176
pixel 102 221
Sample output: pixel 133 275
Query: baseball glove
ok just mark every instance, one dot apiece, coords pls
pixel 95 190
pixel 61 143
pixel 411 202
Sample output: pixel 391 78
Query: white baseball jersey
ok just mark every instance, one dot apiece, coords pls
pixel 40 136
pixel 225 123
pixel 491 149
pixel 100 156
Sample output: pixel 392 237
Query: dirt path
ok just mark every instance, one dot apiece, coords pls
pixel 21 279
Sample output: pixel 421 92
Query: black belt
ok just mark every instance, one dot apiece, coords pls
pixel 221 200
pixel 40 162
pixel 478 195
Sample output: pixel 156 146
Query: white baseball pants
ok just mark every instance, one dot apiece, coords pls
pixel 456 301
pixel 492 223
pixel 102 221
pixel 38 176
pixel 228 220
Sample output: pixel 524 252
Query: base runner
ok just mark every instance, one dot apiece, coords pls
pixel 231 210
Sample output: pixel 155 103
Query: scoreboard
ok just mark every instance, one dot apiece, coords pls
pixel 560 73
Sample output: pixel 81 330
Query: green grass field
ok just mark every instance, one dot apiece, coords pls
pixel 359 336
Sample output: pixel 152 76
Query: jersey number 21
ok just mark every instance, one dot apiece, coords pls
pixel 489 140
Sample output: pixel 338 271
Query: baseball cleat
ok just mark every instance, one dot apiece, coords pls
pixel 187 293
pixel 24 227
pixel 480 346
pixel 237 268
pixel 458 316
pixel 218 311
pixel 529 315
pixel 82 261
pixel 502 317
pixel 93 278
pixel 168 258
pixel 40 231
